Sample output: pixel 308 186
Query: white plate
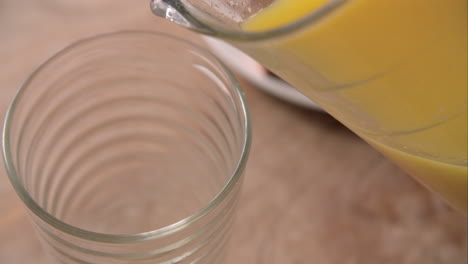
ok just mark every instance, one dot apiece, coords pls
pixel 252 71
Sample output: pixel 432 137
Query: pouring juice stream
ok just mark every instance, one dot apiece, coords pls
pixel 395 72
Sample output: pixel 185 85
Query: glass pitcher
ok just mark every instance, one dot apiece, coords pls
pixel 393 71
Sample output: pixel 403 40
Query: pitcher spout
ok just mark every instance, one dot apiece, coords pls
pixel 225 18
pixel 171 10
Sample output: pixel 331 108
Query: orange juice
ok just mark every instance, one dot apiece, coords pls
pixel 393 71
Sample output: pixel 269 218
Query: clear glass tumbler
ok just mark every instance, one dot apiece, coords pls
pixel 129 147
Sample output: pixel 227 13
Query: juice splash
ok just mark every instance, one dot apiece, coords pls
pixel 395 72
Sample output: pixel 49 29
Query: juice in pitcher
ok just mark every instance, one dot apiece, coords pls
pixel 395 72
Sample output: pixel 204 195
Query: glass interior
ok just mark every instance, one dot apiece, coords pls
pixel 126 133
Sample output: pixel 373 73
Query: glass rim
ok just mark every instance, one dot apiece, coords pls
pixel 204 28
pixel 147 235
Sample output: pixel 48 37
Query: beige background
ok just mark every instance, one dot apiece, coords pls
pixel 313 193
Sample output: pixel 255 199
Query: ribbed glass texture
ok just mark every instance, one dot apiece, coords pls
pixel 129 147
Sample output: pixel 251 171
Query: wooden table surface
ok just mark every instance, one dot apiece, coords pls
pixel 313 193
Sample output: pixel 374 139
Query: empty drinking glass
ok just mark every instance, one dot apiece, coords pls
pixel 129 147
